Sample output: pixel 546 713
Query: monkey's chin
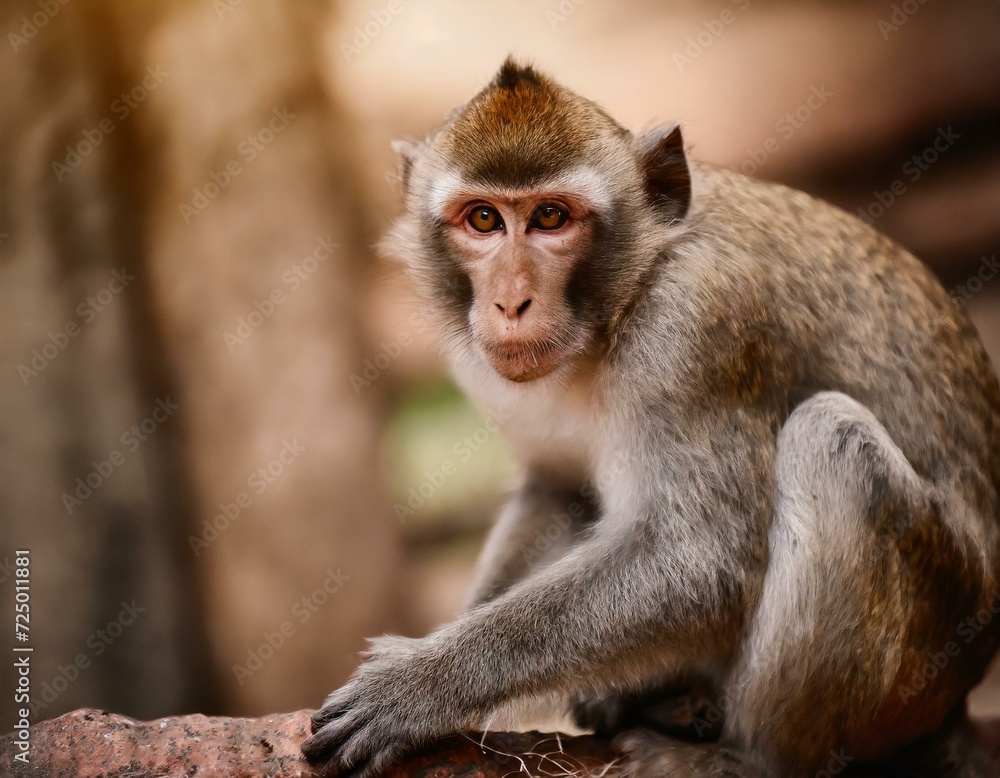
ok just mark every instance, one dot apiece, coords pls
pixel 520 370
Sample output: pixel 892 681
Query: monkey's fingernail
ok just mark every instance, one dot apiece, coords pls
pixel 310 748
pixel 318 746
pixel 323 717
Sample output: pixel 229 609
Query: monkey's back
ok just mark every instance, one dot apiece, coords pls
pixel 822 301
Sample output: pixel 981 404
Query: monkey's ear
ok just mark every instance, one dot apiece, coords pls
pixel 407 151
pixel 668 180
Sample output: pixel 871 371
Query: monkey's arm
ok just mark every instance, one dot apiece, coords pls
pixel 587 619
pixel 647 591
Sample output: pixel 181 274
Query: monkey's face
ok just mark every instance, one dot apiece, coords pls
pixel 532 219
pixel 520 254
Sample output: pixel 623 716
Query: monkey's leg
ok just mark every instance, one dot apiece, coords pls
pixel 540 522
pixel 864 584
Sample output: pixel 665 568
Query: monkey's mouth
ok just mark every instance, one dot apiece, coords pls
pixel 521 361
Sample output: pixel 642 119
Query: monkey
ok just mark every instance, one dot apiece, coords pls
pixel 785 433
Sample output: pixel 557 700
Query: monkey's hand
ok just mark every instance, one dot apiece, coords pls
pixel 389 706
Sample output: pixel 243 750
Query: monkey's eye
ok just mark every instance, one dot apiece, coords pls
pixel 548 217
pixel 485 219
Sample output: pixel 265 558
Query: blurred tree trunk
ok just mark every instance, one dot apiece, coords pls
pixel 255 249
pixel 96 504
pixel 251 524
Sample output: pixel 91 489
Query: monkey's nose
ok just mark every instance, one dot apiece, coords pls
pixel 513 312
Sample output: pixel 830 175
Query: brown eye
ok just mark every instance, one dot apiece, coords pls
pixel 549 217
pixel 484 219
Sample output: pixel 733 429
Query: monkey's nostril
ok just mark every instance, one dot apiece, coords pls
pixel 511 312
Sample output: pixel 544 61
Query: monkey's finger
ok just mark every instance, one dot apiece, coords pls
pixel 314 748
pixel 325 715
pixel 379 759
pixel 363 743
pixel 646 753
pixel 336 704
pixel 331 736
pixel 331 768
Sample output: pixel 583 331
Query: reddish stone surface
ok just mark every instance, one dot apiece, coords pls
pixel 94 743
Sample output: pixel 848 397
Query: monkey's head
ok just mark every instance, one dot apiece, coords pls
pixel 532 219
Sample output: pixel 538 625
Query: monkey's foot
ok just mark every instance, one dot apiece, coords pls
pixel 650 753
pixel 684 713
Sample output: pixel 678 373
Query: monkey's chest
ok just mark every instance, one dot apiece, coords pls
pixel 559 438
pixel 552 427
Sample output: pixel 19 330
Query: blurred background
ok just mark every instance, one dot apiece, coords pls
pixel 223 425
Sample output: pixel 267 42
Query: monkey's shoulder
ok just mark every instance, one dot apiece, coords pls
pixel 772 292
pixel 780 235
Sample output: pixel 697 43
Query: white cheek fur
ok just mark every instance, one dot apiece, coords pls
pixel 442 190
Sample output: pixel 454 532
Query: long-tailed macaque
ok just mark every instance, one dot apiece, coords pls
pixel 793 430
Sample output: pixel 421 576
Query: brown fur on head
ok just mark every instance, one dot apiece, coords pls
pixel 570 202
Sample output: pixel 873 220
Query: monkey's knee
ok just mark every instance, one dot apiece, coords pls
pixel 838 465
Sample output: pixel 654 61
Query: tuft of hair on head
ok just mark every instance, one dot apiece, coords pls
pixel 512 74
pixel 522 128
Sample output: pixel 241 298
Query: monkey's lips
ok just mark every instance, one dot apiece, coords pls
pixel 521 360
